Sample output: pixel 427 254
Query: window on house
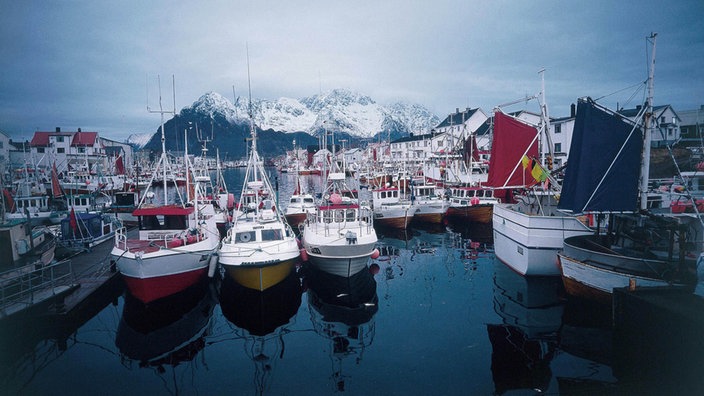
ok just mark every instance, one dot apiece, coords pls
pixel 60 150
pixel 558 128
pixel 40 149
pixel 81 150
pixel 558 147
pixel 59 139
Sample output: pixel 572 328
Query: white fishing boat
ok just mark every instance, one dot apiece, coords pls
pixel 529 232
pixel 260 248
pixel 430 202
pixel 299 205
pixel 391 208
pixel 339 238
pixel 174 245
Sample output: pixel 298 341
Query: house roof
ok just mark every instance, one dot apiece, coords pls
pixel 630 113
pixel 84 138
pixel 412 138
pixel 485 128
pixel 41 139
pixel 457 117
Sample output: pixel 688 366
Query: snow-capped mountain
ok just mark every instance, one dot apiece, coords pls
pixel 339 110
pixel 139 139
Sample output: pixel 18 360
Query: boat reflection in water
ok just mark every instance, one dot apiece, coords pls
pixel 262 318
pixel 525 343
pixel 342 312
pixel 166 332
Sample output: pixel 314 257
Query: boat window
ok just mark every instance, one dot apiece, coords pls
pixel 480 193
pixel 339 215
pixel 394 193
pixel 327 216
pixel 247 236
pixel 350 215
pixel 149 223
pixel 295 200
pixel 175 222
pixel 490 193
pixel 308 200
pixel 272 235
pixel 32 203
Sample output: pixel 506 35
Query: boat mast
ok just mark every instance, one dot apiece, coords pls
pixel 645 171
pixel 545 121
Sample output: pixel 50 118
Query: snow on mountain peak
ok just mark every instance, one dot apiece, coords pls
pixel 339 110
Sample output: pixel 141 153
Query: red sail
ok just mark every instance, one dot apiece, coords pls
pixel 119 166
pixel 511 141
pixel 55 186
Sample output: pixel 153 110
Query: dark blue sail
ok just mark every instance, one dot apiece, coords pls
pixel 604 167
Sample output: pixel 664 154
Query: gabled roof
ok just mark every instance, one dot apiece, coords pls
pixel 485 128
pixel 413 138
pixel 84 138
pixel 630 113
pixel 457 117
pixel 41 139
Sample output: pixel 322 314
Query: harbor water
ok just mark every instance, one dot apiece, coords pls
pixel 435 314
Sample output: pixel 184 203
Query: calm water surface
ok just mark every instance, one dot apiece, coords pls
pixel 436 314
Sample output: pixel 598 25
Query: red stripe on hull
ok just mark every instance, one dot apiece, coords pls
pixel 151 289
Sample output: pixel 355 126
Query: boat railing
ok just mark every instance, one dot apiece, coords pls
pixel 121 238
pixel 25 286
pixel 331 224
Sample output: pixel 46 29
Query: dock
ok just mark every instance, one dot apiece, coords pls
pixel 86 279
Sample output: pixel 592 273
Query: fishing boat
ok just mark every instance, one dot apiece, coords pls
pixel 81 231
pixel 472 203
pixel 430 202
pixel 175 242
pixel 641 248
pixel 529 232
pixel 299 205
pixel 391 208
pixel 339 237
pixel 260 248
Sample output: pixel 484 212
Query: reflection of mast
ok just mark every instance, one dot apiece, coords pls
pixel 343 311
pixel 262 319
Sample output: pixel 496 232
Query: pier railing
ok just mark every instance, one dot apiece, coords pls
pixel 23 287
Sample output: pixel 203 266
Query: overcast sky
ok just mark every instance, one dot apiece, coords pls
pixel 88 63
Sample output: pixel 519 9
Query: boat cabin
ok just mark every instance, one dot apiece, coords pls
pixel 31 203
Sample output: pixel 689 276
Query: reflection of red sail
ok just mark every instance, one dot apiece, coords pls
pixel 72 220
pixel 119 166
pixel 55 187
pixel 297 191
pixel 9 202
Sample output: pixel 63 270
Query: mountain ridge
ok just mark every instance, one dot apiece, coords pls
pixel 347 114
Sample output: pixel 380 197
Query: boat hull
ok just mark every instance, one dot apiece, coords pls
pixel 340 260
pixel 476 213
pixel 594 283
pixel 151 276
pixel 157 287
pixel 261 277
pixel 528 244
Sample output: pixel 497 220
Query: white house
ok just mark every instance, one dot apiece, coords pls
pixel 666 124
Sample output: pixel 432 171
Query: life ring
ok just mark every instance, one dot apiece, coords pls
pixel 245 237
